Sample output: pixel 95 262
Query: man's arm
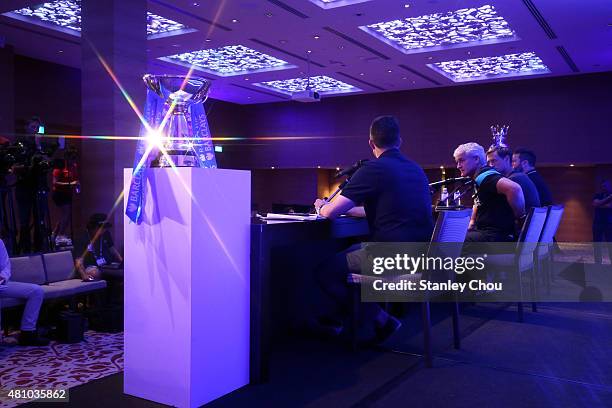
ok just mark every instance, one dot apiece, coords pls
pixel 473 218
pixel 116 254
pixel 5 264
pixel 514 196
pixel 333 209
pixel 602 202
pixel 358 212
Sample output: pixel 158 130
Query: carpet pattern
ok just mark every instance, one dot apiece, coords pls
pixel 59 366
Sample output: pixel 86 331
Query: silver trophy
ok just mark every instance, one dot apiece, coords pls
pixel 178 92
pixel 499 135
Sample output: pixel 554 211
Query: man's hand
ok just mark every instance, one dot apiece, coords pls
pixel 318 204
pixel 335 208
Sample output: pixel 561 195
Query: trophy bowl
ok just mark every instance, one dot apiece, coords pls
pixel 178 92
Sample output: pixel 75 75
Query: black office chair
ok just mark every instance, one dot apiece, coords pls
pixel 450 229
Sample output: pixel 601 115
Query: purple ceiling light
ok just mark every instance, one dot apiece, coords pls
pixel 322 84
pixel 460 28
pixel 476 69
pixel 328 4
pixel 230 60
pixel 65 16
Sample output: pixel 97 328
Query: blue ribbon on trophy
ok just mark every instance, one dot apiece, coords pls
pixel 186 136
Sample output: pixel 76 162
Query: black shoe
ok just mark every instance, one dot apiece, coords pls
pixel 31 338
pixel 383 333
pixel 324 328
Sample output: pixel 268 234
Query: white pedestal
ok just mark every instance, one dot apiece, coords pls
pixel 187 286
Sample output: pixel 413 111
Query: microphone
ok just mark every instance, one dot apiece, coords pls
pixel 349 171
pixel 467 180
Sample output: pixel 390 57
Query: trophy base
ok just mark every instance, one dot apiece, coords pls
pixel 177 159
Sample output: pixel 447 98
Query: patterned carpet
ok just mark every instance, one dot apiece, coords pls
pixel 60 365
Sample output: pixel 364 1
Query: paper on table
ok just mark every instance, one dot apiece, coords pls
pixel 291 217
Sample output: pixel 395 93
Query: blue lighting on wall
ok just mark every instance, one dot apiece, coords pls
pixel 476 69
pixel 229 61
pixel 322 84
pixel 460 28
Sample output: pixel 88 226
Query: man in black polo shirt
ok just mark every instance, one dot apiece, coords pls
pixel 500 158
pixel 499 202
pixel 524 160
pixel 393 193
pixel 602 220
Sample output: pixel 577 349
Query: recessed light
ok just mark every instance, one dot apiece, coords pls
pixel 341 47
pixel 572 165
pixel 337 168
pixel 246 79
pixel 404 77
pixel 272 167
pixel 316 37
pixel 60 51
pixel 309 51
pixel 430 58
pixel 176 45
pixel 406 5
pixel 318 167
pixel 268 14
pixel 469 53
pixel 361 73
pixel 389 71
pixel 234 20
pixel 208 40
pixel 196 4
pixel 414 82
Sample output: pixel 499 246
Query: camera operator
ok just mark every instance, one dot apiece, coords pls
pixel 65 181
pixel 31 169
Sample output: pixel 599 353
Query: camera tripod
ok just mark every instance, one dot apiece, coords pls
pixel 8 228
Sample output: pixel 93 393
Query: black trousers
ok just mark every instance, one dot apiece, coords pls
pixel 602 237
pixel 332 277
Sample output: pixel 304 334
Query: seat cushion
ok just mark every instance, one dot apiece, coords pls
pixel 76 286
pixel 10 302
pixel 28 269
pixel 59 266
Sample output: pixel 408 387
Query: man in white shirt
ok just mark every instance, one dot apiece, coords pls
pixel 33 294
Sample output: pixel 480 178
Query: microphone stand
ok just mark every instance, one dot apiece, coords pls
pixel 338 190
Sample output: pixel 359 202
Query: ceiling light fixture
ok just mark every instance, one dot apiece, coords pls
pixel 65 16
pixel 475 69
pixel 460 28
pixel 322 84
pixel 328 4
pixel 230 60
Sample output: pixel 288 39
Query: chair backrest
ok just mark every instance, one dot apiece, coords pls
pixel 532 229
pixel 553 219
pixel 28 269
pixel 59 266
pixel 451 228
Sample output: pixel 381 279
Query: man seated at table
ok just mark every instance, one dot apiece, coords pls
pixel 100 252
pixel 393 193
pixel 525 160
pixel 500 158
pixel 33 295
pixel 499 204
